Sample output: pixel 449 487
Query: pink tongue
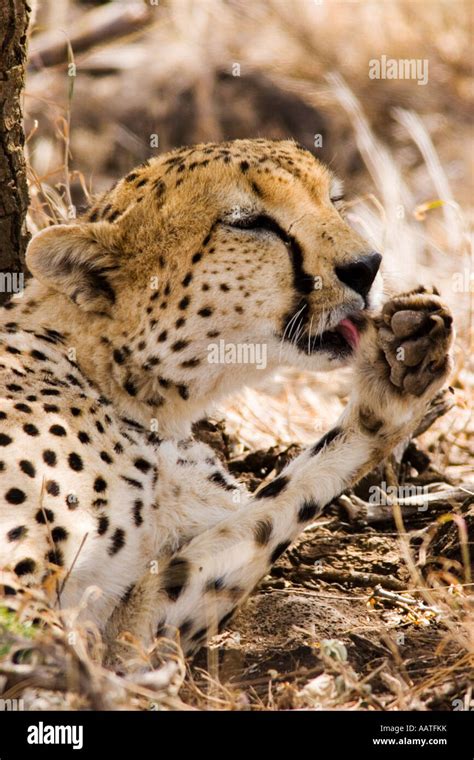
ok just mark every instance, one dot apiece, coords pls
pixel 349 331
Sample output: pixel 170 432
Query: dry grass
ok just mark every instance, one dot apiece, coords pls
pixel 404 151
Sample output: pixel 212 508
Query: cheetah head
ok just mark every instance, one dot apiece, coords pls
pixel 238 243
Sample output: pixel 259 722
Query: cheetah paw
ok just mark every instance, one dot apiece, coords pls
pixel 415 333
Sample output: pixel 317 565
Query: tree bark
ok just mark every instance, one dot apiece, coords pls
pixel 14 17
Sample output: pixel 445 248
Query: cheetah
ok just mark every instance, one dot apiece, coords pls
pixel 105 366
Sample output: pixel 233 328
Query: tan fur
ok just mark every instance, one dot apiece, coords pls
pixel 105 364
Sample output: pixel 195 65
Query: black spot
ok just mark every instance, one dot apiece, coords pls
pixel 44 515
pixel 184 303
pixel 27 468
pixel 162 336
pixel 278 550
pixel 52 488
pixel 83 437
pixel 130 387
pixel 201 634
pixel 183 391
pixel 50 408
pixel 175 577
pixel 205 312
pixel 326 440
pixel 189 363
pixel 99 426
pixel 132 482
pixel 5 440
pixel 142 465
pixel 102 524
pixel 30 429
pixel 308 510
pixel 215 584
pixel 223 621
pixel 196 257
pixel 119 357
pixel 49 457
pixel 25 566
pixel 15 496
pixel 23 408
pixel 55 556
pixel 75 411
pixel 16 533
pixel 218 478
pixel 179 345
pixel 39 355
pixel 57 430
pixel 262 531
pixel 117 541
pixel 59 534
pixel 274 488
pixel 75 462
pixel 13 387
pixel 128 593
pixel 106 457
pixel 100 485
pixel 3 416
pixel 137 508
pixel 185 627
pixel 186 280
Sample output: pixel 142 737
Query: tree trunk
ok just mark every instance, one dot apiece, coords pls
pixel 14 16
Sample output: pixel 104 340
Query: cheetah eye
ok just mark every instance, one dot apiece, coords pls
pixel 260 223
pixel 337 200
pixel 249 222
pixel 257 223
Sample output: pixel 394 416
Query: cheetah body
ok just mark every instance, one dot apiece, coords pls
pixel 104 367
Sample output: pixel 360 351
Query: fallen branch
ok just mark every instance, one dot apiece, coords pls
pixel 98 26
pixel 355 578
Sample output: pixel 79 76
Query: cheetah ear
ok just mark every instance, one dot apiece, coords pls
pixel 75 260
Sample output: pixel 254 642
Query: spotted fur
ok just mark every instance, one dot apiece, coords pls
pixel 105 364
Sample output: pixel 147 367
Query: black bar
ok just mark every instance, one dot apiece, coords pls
pixel 318 734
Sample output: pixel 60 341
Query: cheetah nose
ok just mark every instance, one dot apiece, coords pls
pixel 360 274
